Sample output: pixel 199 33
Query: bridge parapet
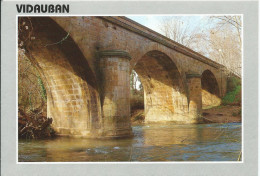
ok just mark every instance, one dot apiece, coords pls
pixel 139 29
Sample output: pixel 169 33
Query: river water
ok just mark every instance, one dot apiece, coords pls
pixel 151 142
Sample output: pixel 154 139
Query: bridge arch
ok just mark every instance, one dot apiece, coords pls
pixel 73 73
pixel 210 89
pixel 165 97
pixel 72 92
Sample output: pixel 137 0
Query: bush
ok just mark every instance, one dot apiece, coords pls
pixel 31 91
pixel 232 83
pixel 233 94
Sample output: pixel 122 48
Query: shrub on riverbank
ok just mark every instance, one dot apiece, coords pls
pixel 31 91
pixel 233 95
pixel 34 125
pixel 32 101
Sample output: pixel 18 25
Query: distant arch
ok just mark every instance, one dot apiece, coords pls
pixel 210 89
pixel 164 92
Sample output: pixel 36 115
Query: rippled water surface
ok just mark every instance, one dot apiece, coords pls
pixel 153 142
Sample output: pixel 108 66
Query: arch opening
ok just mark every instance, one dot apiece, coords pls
pixel 210 90
pixel 164 92
pixel 136 98
pixel 72 97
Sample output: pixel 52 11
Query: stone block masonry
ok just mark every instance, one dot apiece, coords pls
pixel 85 64
pixel 195 98
pixel 114 65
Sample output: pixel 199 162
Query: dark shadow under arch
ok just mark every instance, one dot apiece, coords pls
pixel 45 27
pixel 210 89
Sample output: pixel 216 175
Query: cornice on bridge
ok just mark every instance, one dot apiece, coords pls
pixel 161 39
pixel 191 74
pixel 111 53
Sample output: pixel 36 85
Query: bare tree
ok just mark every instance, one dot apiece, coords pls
pixel 185 32
pixel 233 21
pixel 226 42
pixel 135 82
pixel 31 91
pixel 219 38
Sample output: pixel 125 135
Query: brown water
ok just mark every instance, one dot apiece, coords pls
pixel 153 142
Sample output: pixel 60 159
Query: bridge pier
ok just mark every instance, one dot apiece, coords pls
pixel 115 93
pixel 195 97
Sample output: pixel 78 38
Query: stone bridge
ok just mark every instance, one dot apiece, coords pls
pixel 85 64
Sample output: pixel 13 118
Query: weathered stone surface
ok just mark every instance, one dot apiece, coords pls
pixel 88 93
pixel 114 66
pixel 195 98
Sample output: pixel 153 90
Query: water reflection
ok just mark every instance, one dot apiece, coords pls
pixel 153 142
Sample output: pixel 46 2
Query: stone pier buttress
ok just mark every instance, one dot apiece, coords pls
pixel 195 97
pixel 114 67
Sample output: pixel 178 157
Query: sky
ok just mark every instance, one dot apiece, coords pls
pixel 153 22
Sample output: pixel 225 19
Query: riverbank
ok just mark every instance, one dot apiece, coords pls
pixel 137 116
pixel 222 114
pixel 218 114
pixel 34 125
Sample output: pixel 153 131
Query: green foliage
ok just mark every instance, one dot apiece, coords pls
pixel 233 91
pixel 219 107
pixel 43 90
pixel 232 83
pixel 31 91
pixel 230 97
